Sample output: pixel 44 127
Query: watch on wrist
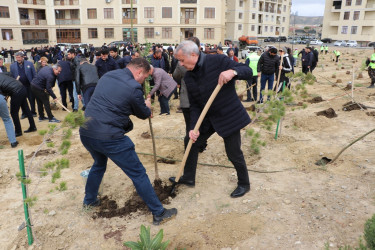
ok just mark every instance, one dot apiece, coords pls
pixel 234 72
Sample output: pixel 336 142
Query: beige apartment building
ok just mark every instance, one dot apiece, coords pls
pixel 349 20
pixel 261 18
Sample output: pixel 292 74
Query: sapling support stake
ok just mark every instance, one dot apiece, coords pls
pixel 353 86
pixel 24 194
pixel 279 122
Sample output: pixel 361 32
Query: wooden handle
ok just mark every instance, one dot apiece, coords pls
pixel 278 77
pixel 243 92
pixel 62 105
pixel 196 128
pixel 18 77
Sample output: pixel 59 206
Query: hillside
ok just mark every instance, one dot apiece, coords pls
pixel 306 20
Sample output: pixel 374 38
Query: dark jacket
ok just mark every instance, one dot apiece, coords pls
pixel 106 66
pixel 124 61
pixel 226 114
pixel 157 62
pixel 307 59
pixel 174 63
pixel 117 96
pixel 29 70
pixel 9 86
pixel 178 76
pixel 86 76
pixel 267 64
pixel 166 62
pixel 3 69
pixel 73 65
pixel 66 74
pixel 45 80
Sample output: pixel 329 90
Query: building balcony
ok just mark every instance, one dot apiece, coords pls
pixel 66 2
pixel 68 22
pixel 35 41
pixel 188 1
pixel 334 23
pixel 33 22
pixel 188 21
pixel 33 2
pixel 129 1
pixel 129 20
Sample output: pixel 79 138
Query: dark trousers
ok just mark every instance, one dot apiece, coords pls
pixel 122 152
pixel 254 80
pixel 64 86
pixel 42 99
pixel 17 101
pixel 31 98
pixel 337 58
pixel 305 69
pixel 87 94
pixel 164 103
pixel 263 81
pixel 186 113
pixel 234 153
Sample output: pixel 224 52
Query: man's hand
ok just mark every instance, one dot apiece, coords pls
pixel 194 136
pixel 226 76
pixel 80 97
pixel 148 96
pixel 148 102
pixel 280 67
pixel 258 73
pixel 55 100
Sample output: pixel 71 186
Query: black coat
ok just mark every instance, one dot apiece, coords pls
pixel 106 66
pixel 226 114
pixel 66 74
pixel 9 85
pixel 86 76
pixel 268 64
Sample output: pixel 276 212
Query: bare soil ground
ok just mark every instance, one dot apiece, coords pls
pixel 304 206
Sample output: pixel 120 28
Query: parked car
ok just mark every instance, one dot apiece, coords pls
pixel 372 44
pixel 270 39
pixel 340 43
pixel 245 52
pixel 351 43
pixel 281 39
pixel 316 42
pixel 295 41
pixel 326 40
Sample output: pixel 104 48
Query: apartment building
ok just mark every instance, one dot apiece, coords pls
pixel 261 18
pixel 349 20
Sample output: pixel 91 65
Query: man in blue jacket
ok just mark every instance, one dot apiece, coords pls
pixel 226 116
pixel 26 72
pixel 118 95
pixel 105 63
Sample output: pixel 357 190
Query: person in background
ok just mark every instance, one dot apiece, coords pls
pixel 219 50
pixel 295 56
pixel 65 82
pixel 86 80
pixel 268 64
pixel 41 63
pixel 252 61
pixel 337 55
pixel 3 69
pixel 285 67
pixel 236 50
pixel 370 62
pixel 105 63
pixel 326 49
pixel 125 60
pixel 231 55
pixel 114 54
pixel 74 62
pixel 307 59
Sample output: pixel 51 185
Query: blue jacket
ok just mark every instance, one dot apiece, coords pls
pixel 29 70
pixel 106 66
pixel 66 74
pixel 45 80
pixel 124 61
pixel 157 63
pixel 117 96
pixel 226 114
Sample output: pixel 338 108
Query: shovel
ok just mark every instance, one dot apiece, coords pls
pixel 196 128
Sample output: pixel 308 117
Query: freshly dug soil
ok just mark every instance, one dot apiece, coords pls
pixel 348 87
pixel 372 113
pixel 42 152
pixel 251 108
pixel 146 135
pixel 329 113
pixel 167 161
pixel 316 99
pixel 349 106
pixel 323 161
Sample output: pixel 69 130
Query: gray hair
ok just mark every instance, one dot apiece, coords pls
pixel 187 47
pixel 56 66
pixel 19 54
pixel 83 59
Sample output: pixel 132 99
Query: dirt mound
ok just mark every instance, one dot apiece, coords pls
pixel 316 99
pixel 349 106
pixel 146 135
pixel 372 113
pixel 329 113
pixel 42 152
pixel 251 108
pixel 348 87
pixel 166 160
pixel 109 208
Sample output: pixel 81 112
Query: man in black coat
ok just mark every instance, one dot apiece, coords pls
pixel 226 116
pixel 65 80
pixel 268 64
pixel 86 80
pixel 105 63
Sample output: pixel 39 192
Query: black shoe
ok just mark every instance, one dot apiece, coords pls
pixel 30 130
pixel 247 100
pixel 165 216
pixel 371 86
pixel 92 204
pixel 23 116
pixel 43 118
pixel 18 134
pixel 14 144
pixel 34 115
pixel 182 181
pixel 240 191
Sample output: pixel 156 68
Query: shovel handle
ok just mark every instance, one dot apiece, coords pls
pixel 62 105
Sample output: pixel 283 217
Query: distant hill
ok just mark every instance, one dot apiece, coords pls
pixel 306 20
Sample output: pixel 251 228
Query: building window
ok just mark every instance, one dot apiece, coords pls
pixel 241 3
pixel 7 34
pixel 167 32
pixel 4 12
pixel 60 14
pixel 209 33
pixel 356 15
pixel 284 19
pixel 39 14
pixel 68 35
pixel 167 12
pixel 271 29
pixel 272 18
pixel 128 1
pixel 253 16
pixel 74 14
pixel 348 2
pixel 209 12
pixel 149 32
pixel 36 36
pixel 93 33
pixel 354 30
pixel 265 28
pixel 282 29
pixel 240 15
pixel 24 13
pixel 108 13
pixel 344 29
pixel 346 15
pixel 284 8
pixel 266 17
pixel 240 27
pixel 109 33
pixel 358 2
pixel 252 27
pixel 149 12
pixel 91 14
pixel 254 3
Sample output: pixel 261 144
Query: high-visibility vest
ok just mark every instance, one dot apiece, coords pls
pixel 336 52
pixel 326 48
pixel 322 48
pixel 253 64
pixel 295 54
pixel 372 61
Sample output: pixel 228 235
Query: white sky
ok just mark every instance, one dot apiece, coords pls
pixel 308 7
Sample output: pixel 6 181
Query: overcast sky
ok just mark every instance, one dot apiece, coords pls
pixel 308 7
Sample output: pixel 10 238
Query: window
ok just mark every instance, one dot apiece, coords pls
pixel 266 17
pixel 60 14
pixel 93 33
pixel 344 29
pixel 354 30
pixel 271 29
pixel 24 13
pixel 265 28
pixel 356 15
pixel 167 12
pixel 346 15
pixel 253 16
pixel 7 34
pixel 108 13
pixel 34 36
pixel 91 14
pixel 189 13
pixel 4 12
pixel 272 18
pixel 240 15
pixel 358 2
pixel 254 3
pixel 128 14
pixel 348 2
pixel 284 8
pixel 39 14
pixel 284 19
pixel 240 27
pixel 149 12
pixel 209 12
pixel 149 32
pixel 209 33
pixel 252 27
pixel 241 3
pixel 74 14
pixel 167 32
pixel 68 35
pixel 109 33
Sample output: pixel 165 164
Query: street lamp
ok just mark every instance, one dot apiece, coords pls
pixel 57 12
